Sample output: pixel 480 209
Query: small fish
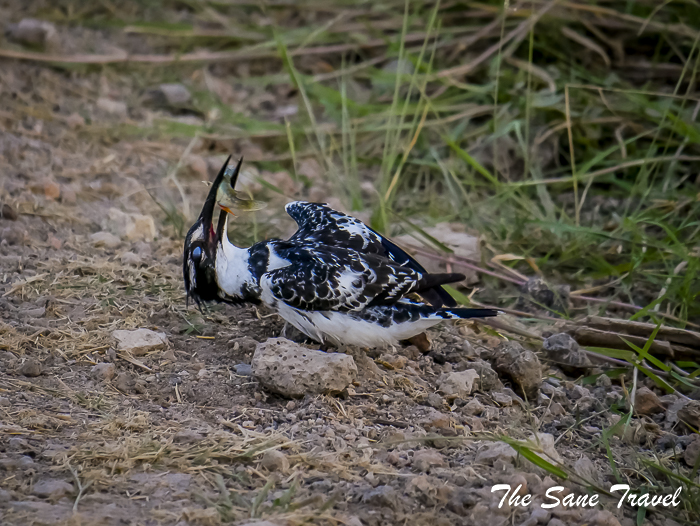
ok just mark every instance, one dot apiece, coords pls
pixel 232 201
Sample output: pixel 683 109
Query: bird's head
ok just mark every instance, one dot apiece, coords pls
pixel 201 244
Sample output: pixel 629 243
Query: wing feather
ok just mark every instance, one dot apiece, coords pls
pixel 318 223
pixel 338 279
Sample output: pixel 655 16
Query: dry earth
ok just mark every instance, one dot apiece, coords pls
pixel 183 434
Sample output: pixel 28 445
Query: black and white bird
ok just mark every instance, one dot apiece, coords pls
pixel 336 280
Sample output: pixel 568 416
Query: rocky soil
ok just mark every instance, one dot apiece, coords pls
pixel 190 421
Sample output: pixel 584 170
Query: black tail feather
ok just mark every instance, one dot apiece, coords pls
pixel 471 313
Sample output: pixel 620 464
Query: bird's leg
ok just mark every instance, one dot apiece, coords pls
pixel 283 334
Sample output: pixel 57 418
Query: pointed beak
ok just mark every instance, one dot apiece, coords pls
pixel 207 215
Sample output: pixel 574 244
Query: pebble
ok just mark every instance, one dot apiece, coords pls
pixel 459 384
pixel 496 451
pixel 52 190
pixel 140 341
pixel 425 459
pixel 175 94
pixel 520 365
pixel 243 369
pixel 382 496
pixel 112 107
pixel 435 400
pixel 103 371
pixel 5 402
pixel 690 414
pixel 13 235
pixel 566 352
pixel 32 32
pixel 274 460
pixel 692 451
pixel 31 367
pixel 105 239
pixel 130 258
pixel 646 402
pixel 54 488
pixel 7 212
pixel 133 227
pixel 473 408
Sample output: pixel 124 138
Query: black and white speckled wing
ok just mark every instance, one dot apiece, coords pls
pixel 318 223
pixel 337 279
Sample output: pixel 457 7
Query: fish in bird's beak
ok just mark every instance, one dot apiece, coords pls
pixel 231 201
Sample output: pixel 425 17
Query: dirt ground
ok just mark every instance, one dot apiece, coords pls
pixel 184 435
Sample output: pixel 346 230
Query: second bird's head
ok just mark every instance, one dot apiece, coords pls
pixel 202 242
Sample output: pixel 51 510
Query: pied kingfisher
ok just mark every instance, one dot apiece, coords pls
pixel 336 280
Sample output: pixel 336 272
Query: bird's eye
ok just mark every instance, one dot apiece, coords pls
pixel 197 253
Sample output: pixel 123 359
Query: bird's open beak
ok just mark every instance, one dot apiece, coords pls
pixel 207 215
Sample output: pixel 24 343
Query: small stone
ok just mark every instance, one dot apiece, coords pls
pixel 129 258
pixel 7 212
pixel 382 496
pixel 125 382
pixel 54 242
pixel 175 94
pixel 488 378
pixel 32 32
pixel 133 227
pixel 31 367
pixel 5 402
pixel 647 403
pixel 103 371
pixel 541 515
pixel 435 400
pixel 603 381
pixel 545 442
pixel 394 360
pixel 243 369
pixel 692 451
pixel 113 107
pixel 187 436
pixel 585 469
pixel 563 350
pixel 522 366
pixel 75 120
pixel 425 459
pixel 274 460
pixel 140 341
pixel 496 451
pixel 458 385
pixel 502 399
pixel 421 342
pixel 473 408
pixel 52 190
pixel 690 414
pixel 199 166
pixel 434 419
pixel 13 235
pixel 289 369
pixel 105 239
pixel 54 488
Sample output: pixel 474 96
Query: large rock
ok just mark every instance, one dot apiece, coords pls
pixel 521 366
pixel 289 369
pixel 140 341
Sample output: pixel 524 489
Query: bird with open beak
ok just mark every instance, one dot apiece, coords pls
pixel 336 280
